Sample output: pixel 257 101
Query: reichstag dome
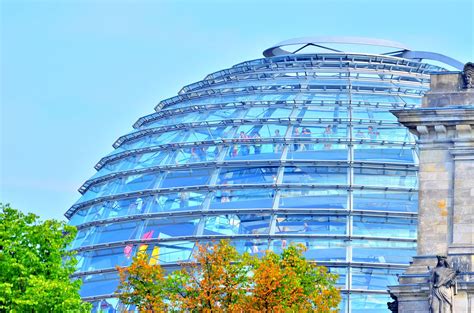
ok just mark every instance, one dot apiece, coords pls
pixel 296 147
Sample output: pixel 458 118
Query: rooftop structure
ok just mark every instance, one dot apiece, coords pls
pixel 296 147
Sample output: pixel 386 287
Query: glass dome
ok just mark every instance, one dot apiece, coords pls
pixel 293 148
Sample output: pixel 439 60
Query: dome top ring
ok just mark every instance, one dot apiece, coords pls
pixel 323 41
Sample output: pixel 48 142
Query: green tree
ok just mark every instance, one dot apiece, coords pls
pixel 35 265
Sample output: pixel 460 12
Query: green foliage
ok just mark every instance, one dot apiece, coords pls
pixel 35 265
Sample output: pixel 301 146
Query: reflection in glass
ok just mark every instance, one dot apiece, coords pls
pixel 310 224
pixel 391 201
pixel 242 198
pixel 384 227
pixel 243 176
pixel 313 198
pixel 368 303
pixel 373 278
pixel 315 175
pixel 385 177
pixel 323 250
pixel 103 284
pixel 237 224
pixel 382 251
pixel 184 200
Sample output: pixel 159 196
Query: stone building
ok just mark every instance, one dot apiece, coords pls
pixel 444 127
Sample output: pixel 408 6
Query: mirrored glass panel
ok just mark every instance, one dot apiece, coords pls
pixel 379 251
pixel 79 217
pixel 302 150
pixel 169 227
pixel 267 112
pixel 99 284
pixel 237 224
pixel 328 199
pixel 256 246
pixel 254 151
pixel 310 224
pixel 378 200
pixel 195 154
pixel 181 201
pixel 152 159
pixel 385 177
pixel 369 303
pixel 84 237
pixel 306 132
pixel 390 227
pixel 247 175
pixel 138 182
pixel 374 279
pixel 108 305
pixel 245 132
pixel 315 175
pixel 226 199
pixel 342 276
pixel 163 252
pixel 111 209
pixel 384 153
pixel 188 177
pixel 117 232
pixel 374 133
pixel 322 113
pixel 104 258
pixel 323 250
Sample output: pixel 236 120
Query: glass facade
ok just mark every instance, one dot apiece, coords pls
pixel 287 149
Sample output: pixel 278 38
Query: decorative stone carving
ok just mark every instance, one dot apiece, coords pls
pixel 468 75
pixel 442 283
pixel 393 306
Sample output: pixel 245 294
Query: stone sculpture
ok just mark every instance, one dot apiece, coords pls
pixel 468 75
pixel 393 305
pixel 442 283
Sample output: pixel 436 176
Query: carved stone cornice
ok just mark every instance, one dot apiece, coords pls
pixel 439 125
pixel 454 115
pixel 462 153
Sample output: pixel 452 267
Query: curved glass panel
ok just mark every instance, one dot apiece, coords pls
pixel 243 176
pixel 315 175
pixel 329 199
pixel 237 224
pixel 398 252
pixel 369 226
pixel 311 224
pixel 296 149
pixel 369 303
pixel 374 278
pixel 180 201
pixel 378 200
pixel 100 284
pixel 230 199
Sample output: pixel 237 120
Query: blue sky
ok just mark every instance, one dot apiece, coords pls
pixel 75 75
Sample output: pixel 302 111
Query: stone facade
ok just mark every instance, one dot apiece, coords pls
pixel 444 126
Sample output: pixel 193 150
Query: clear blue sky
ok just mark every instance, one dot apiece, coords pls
pixel 75 75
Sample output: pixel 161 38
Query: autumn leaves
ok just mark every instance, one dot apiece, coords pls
pixel 222 280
